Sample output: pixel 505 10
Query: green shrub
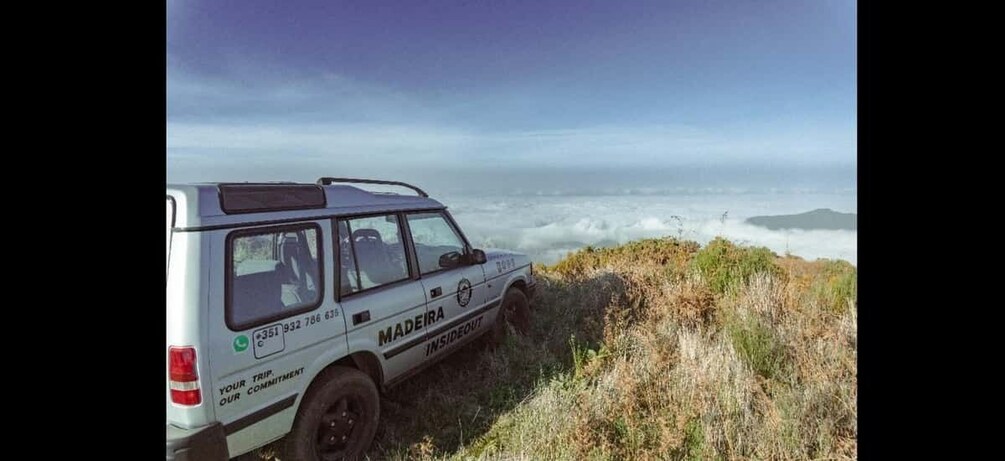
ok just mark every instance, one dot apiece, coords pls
pixel 725 265
pixel 694 440
pixel 758 346
pixel 583 356
pixel 839 285
pixel 669 252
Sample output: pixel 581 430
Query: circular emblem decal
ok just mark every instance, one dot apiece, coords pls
pixel 464 292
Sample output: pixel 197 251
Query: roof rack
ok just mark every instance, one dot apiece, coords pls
pixel 326 181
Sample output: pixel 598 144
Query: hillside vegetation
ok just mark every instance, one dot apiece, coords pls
pixel 658 349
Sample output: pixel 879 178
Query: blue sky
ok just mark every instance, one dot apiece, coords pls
pixel 277 90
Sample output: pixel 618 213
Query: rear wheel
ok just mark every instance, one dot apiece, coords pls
pixel 513 314
pixel 337 418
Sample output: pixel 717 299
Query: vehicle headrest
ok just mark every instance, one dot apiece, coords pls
pixel 288 249
pixel 368 233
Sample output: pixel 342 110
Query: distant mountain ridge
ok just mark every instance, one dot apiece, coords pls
pixel 819 219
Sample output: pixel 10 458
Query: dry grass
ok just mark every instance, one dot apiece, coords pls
pixel 658 349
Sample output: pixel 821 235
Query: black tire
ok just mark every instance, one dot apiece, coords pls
pixel 342 407
pixel 514 313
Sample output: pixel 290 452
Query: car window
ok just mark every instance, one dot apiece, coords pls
pixel 433 237
pixel 348 275
pixel 271 274
pixel 373 253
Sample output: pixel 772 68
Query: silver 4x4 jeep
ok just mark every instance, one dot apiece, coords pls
pixel 289 306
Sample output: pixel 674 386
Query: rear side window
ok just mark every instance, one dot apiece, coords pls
pixel 372 253
pixel 272 274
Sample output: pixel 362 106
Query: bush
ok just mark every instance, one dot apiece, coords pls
pixel 671 253
pixel 840 284
pixel 726 266
pixel 758 346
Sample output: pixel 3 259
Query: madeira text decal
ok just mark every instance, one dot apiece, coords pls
pixel 401 329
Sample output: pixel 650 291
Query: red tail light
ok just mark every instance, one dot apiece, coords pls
pixel 182 377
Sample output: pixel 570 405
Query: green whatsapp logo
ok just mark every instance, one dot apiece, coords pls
pixel 241 343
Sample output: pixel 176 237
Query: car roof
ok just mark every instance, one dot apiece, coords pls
pixel 198 206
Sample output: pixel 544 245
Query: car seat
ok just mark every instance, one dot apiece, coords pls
pixel 373 259
pixel 292 272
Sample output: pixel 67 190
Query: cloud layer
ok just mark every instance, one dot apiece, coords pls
pixel 549 227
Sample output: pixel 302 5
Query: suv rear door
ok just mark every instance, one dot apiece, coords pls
pixel 278 316
pixel 383 301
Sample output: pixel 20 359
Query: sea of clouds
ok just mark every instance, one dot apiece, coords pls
pixel 547 227
pixel 549 212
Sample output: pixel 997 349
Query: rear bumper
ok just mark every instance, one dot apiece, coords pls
pixel 531 290
pixel 200 443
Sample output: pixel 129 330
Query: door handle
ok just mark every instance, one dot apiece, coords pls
pixel 360 317
pixel 435 292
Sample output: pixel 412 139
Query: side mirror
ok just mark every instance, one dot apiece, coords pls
pixel 451 259
pixel 478 257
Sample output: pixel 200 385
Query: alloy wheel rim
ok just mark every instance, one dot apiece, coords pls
pixel 337 426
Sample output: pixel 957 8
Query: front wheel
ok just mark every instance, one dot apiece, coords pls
pixel 513 314
pixel 336 420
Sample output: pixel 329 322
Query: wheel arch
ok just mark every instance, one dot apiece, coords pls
pixel 518 281
pixel 364 361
